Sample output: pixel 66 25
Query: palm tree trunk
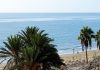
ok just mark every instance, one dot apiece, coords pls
pixel 25 67
pixel 99 47
pixel 35 67
pixel 86 56
pixel 82 47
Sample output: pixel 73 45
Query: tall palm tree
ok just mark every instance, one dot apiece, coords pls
pixel 11 50
pixel 97 38
pixel 86 35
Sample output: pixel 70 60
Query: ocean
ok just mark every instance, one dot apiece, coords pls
pixel 64 28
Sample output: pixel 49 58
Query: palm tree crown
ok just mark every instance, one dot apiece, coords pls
pixel 31 49
pixel 86 35
pixel 11 50
pixel 47 52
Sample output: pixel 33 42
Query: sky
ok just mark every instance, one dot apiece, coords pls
pixel 49 6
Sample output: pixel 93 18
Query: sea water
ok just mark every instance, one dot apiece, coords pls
pixel 64 28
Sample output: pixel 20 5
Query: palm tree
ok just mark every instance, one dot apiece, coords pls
pixel 81 37
pixel 11 50
pixel 86 35
pixel 48 55
pixel 97 38
pixel 29 50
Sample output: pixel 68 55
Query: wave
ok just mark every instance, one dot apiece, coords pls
pixel 49 19
pixel 32 19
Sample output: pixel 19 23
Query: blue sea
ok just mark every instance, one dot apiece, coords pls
pixel 64 28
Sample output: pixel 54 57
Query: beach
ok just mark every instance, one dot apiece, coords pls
pixel 50 35
pixel 76 61
pixel 80 56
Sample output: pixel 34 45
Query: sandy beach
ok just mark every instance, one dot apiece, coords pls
pixel 76 61
pixel 80 56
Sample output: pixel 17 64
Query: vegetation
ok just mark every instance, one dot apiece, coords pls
pixel 86 35
pixel 31 49
pixel 97 38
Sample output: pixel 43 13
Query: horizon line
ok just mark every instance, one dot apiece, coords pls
pixel 55 12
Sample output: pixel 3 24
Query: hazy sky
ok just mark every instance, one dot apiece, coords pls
pixel 49 5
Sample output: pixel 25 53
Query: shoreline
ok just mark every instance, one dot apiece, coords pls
pixel 70 51
pixel 76 50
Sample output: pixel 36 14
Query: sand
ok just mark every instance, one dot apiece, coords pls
pixel 80 56
pixel 77 61
pixel 2 66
